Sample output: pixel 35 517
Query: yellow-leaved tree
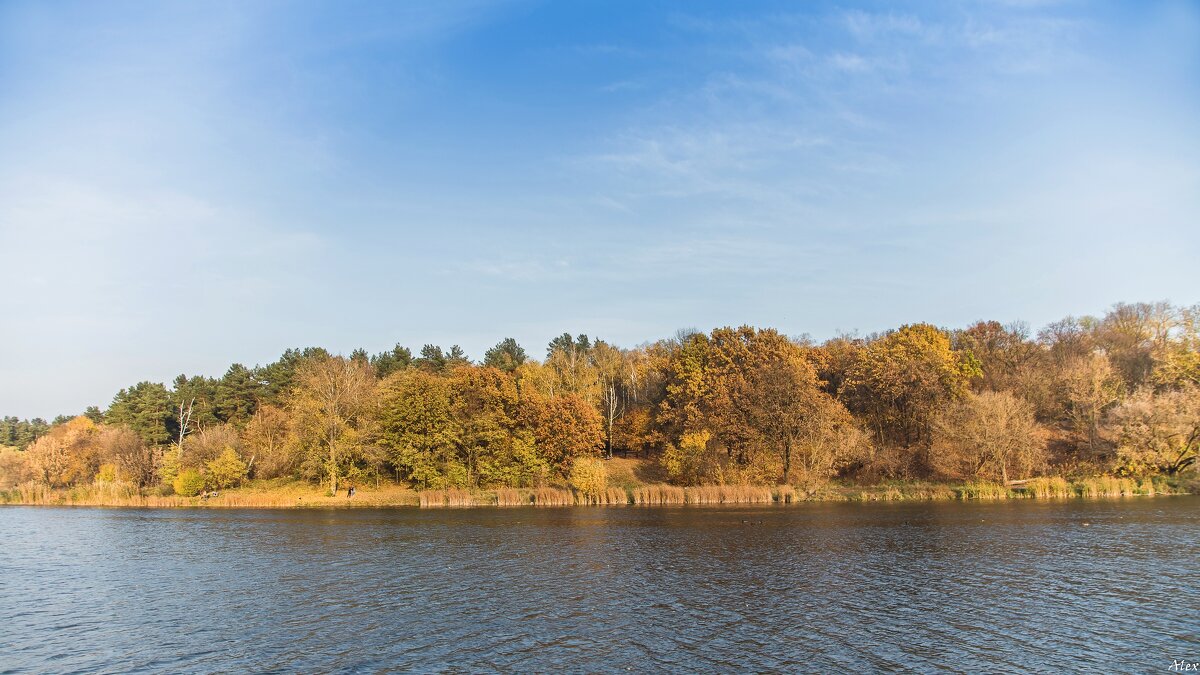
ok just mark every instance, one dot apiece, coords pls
pixel 332 409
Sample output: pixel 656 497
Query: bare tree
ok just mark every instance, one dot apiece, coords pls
pixel 988 435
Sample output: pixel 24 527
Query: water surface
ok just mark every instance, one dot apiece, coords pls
pixel 962 587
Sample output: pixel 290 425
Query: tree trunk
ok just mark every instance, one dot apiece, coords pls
pixel 787 459
pixel 333 470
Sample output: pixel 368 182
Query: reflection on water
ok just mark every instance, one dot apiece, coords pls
pixel 966 587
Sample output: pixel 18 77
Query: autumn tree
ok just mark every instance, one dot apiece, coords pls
pixel 484 405
pixel 1069 339
pixel 1158 432
pixel 136 460
pixel 267 439
pixel 1004 353
pixel 1132 334
pixel 901 380
pixel 689 461
pixel 833 361
pixel 807 427
pixel 208 443
pixel 331 406
pixel 683 408
pixel 68 454
pixel 570 360
pixel 589 477
pixel 1177 364
pixel 1090 388
pixel 226 470
pixel 758 398
pixel 418 430
pixel 989 435
pixel 14 468
pixel 564 428
pixel 738 404
pixel 613 384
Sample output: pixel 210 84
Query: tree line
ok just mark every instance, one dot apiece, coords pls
pixel 1117 394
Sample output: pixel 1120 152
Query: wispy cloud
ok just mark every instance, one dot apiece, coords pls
pixel 869 26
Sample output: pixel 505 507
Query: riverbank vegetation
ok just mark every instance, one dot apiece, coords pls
pixel 1087 406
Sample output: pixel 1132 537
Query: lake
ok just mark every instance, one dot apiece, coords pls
pixel 949 586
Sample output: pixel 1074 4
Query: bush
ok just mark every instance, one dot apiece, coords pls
pixel 107 473
pixel 589 476
pixel 168 468
pixel 227 470
pixel 685 463
pixel 189 483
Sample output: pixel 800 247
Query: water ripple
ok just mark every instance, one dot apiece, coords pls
pixel 910 587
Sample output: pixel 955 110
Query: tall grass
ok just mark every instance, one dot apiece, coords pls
pixel 1147 487
pixel 547 496
pixel 937 492
pixel 729 494
pixel 658 494
pixel 450 497
pixel 511 497
pixel 299 494
pixel 1053 487
pixel 1106 486
pixel 982 490
pixel 608 496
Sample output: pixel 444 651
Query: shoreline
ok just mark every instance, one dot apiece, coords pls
pixel 302 495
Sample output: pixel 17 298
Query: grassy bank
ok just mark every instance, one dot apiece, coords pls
pixel 258 494
pixel 276 494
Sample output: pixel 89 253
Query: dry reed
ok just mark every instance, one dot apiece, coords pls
pixel 1106 486
pixel 1053 487
pixel 547 496
pixel 608 496
pixel 450 497
pixel 1147 487
pixel 728 494
pixel 292 495
pixel 511 497
pixel 658 494
pixel 983 490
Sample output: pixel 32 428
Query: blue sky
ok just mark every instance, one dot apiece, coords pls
pixel 186 185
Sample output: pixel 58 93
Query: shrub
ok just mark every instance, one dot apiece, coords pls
pixel 685 463
pixel 227 470
pixel 168 467
pixel 189 483
pixel 107 473
pixel 589 476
